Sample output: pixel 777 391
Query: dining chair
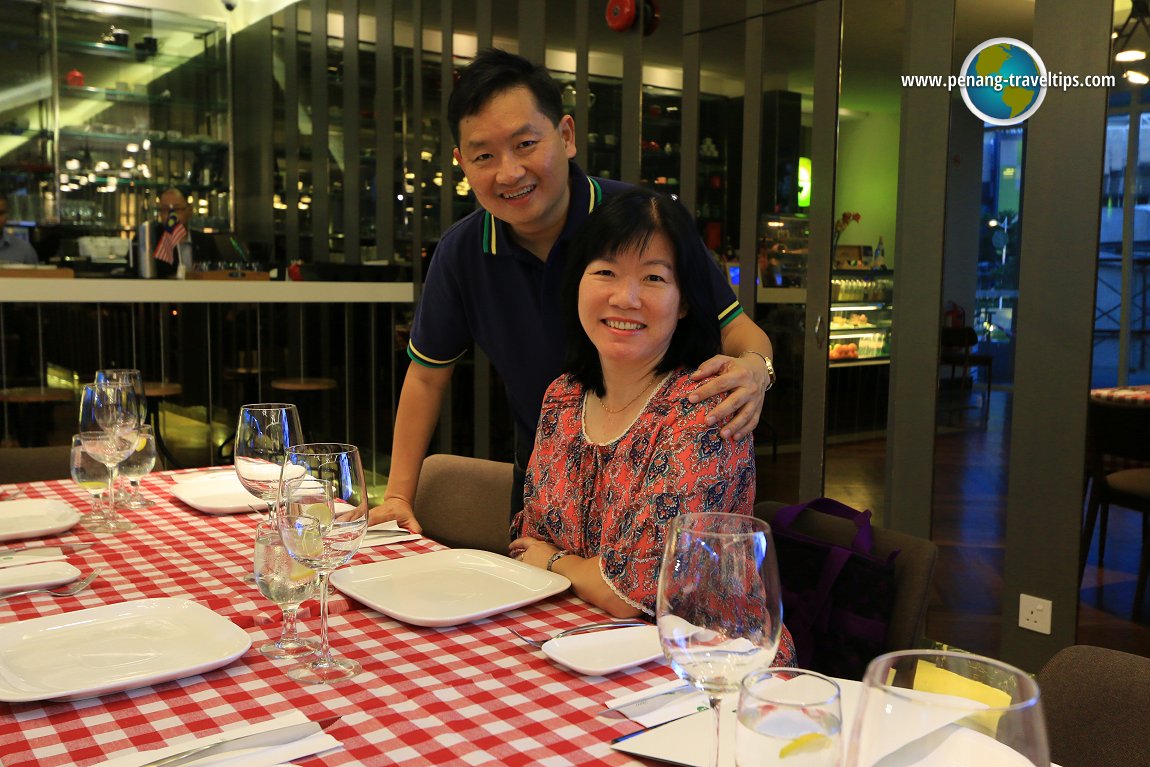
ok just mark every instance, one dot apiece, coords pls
pixel 1117 461
pixel 1097 704
pixel 913 568
pixel 463 502
pixel 32 464
pixel 957 349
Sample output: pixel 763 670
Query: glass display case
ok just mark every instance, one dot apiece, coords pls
pixel 115 104
pixel 860 316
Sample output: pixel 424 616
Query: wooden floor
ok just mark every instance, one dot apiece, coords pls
pixel 969 527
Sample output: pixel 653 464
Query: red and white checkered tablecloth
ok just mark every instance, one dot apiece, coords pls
pixel 470 694
pixel 1127 395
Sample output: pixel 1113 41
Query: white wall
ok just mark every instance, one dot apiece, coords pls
pixel 867 180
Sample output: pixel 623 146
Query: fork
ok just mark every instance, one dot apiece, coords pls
pixel 72 590
pixel 537 643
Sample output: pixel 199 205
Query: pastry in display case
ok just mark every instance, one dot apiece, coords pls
pixel 860 316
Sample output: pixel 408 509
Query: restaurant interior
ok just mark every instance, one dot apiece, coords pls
pixel 936 349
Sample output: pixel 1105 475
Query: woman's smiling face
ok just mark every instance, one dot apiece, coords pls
pixel 630 304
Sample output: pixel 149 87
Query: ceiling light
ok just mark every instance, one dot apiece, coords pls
pixel 1139 15
pixel 1130 55
pixel 1135 77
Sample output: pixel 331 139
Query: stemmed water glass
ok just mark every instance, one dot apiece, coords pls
pixel 91 475
pixel 109 431
pixel 137 465
pixel 287 583
pixel 322 523
pixel 264 434
pixel 928 706
pixel 719 606
pixel 133 378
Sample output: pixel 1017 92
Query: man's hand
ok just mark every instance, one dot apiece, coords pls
pixel 746 379
pixel 398 509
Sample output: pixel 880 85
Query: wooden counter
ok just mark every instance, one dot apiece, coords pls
pixel 202 292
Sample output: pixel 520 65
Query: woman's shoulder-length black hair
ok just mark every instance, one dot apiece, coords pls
pixel 628 221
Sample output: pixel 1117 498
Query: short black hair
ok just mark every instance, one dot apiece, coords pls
pixel 494 71
pixel 628 221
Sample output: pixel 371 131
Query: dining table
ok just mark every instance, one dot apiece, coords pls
pixel 1137 394
pixel 470 694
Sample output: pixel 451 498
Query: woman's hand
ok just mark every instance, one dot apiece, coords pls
pixel 398 509
pixel 746 379
pixel 532 551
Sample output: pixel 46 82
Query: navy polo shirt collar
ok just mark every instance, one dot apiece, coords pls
pixel 586 194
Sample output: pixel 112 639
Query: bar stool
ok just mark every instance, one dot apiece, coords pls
pixel 303 391
pixel 155 392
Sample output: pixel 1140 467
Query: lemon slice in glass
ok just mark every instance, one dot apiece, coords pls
pixel 321 511
pixel 300 572
pixel 805 744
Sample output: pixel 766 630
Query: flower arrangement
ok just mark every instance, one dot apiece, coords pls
pixel 843 222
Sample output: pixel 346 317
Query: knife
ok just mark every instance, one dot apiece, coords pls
pixel 279 736
pixel 649 703
pixel 386 532
pixel 61 546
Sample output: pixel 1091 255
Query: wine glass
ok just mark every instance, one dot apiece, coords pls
pixel 92 476
pixel 132 378
pixel 137 465
pixel 264 433
pixel 287 583
pixel 719 606
pixel 109 430
pixel 955 707
pixel 788 717
pixel 322 523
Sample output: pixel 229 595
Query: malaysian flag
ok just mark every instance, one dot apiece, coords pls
pixel 174 234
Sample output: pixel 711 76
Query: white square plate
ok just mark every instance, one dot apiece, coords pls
pixel 596 653
pixel 446 588
pixel 34 517
pixel 218 493
pixel 105 649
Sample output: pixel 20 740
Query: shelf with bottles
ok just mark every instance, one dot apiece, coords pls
pixel 860 316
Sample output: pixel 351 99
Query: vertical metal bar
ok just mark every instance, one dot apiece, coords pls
pixel 631 134
pixel 691 112
pixel 291 133
pixel 483 24
pixel 582 82
pixel 4 372
pixel 351 120
pixel 373 387
pixel 414 164
pixel 211 389
pixel 348 371
pixel 1129 208
pixel 754 42
pixel 446 81
pixel 320 172
pixel 824 152
pixel 385 149
pixel 533 30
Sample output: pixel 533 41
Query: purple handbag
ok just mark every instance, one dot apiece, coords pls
pixel 837 600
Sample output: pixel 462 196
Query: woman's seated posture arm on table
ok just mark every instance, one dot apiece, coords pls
pixel 620 450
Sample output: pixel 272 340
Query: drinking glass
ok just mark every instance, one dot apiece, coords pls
pixel 133 379
pixel 109 430
pixel 137 465
pixel 940 707
pixel 719 606
pixel 91 475
pixel 788 717
pixel 322 523
pixel 287 583
pixel 264 433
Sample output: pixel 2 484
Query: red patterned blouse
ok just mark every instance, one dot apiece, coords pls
pixel 614 500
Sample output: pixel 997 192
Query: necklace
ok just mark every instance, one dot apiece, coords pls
pixel 643 391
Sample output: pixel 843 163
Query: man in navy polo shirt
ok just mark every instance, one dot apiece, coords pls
pixel 496 275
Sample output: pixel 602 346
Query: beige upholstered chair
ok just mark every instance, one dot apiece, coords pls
pixel 30 464
pixel 1097 704
pixel 913 568
pixel 464 502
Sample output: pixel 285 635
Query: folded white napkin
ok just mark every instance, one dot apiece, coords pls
pixel 371 541
pixel 649 711
pixel 257 757
pixel 31 557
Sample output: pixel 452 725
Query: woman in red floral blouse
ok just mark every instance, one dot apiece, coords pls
pixel 620 449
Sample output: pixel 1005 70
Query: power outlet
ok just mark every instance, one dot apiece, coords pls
pixel 1034 613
